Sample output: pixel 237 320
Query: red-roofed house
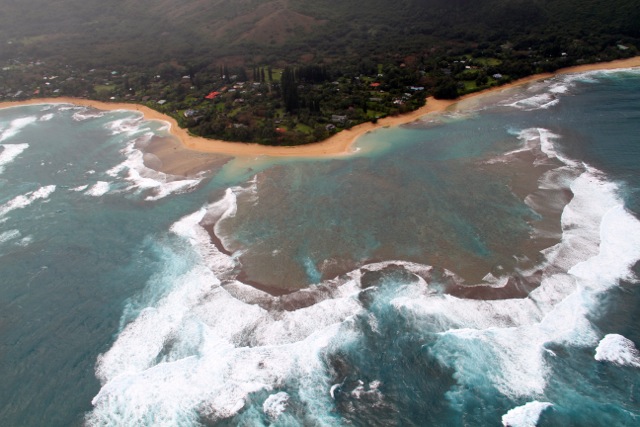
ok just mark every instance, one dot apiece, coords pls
pixel 212 95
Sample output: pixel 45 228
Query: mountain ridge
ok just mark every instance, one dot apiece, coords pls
pixel 154 31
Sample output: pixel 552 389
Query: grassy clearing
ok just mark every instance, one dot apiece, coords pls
pixel 488 62
pixel 104 89
pixel 303 128
pixel 469 85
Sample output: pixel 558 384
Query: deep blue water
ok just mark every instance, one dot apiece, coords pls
pixel 116 308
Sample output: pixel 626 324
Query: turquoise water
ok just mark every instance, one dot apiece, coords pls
pixel 117 308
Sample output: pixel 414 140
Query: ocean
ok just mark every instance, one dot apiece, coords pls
pixel 476 267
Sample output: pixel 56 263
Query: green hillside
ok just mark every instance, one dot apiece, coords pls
pixel 146 31
pixel 296 71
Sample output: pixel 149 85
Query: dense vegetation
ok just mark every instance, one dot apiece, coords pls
pixel 295 71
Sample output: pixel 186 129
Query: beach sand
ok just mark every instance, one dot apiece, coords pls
pixel 185 154
pixel 337 145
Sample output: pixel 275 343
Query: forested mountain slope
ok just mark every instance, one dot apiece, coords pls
pixel 153 31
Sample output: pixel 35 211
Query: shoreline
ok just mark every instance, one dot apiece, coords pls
pixel 336 145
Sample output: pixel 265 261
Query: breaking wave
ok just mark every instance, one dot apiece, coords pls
pixel 10 152
pixel 9 235
pixel 24 200
pixel 526 415
pixel 205 347
pixel 617 349
pixel 546 94
pixel 98 189
pixel 16 126
pixel 86 114
pixel 152 184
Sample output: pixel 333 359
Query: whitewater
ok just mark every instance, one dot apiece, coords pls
pixel 481 270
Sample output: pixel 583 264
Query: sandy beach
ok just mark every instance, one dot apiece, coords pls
pixel 337 145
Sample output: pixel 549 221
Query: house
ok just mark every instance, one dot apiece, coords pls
pixel 497 76
pixel 376 84
pixel 330 127
pixel 335 118
pixel 212 95
pixel 162 102
pixel 190 113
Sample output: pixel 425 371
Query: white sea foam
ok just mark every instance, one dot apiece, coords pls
pixel 98 189
pixel 506 339
pixel 547 93
pixel 156 185
pixel 46 117
pixel 70 107
pixel 372 392
pixel 206 345
pixel 617 349
pixel 201 351
pixel 235 347
pixel 559 88
pixel 540 141
pixel 275 405
pixel 25 200
pixel 593 75
pixel 548 147
pixel 87 114
pixel 190 229
pixel 536 102
pixel 129 126
pixel 10 152
pixel 16 126
pixel 223 209
pixel 206 367
pixel 25 241
pixel 542 95
pixel 9 235
pixel 526 415
pixel 79 188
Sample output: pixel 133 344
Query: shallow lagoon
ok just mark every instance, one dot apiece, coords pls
pixel 118 308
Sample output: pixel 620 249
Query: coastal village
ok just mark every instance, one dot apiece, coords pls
pixel 233 104
pixel 280 105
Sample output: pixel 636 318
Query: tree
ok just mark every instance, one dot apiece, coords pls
pixel 447 88
pixel 289 90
